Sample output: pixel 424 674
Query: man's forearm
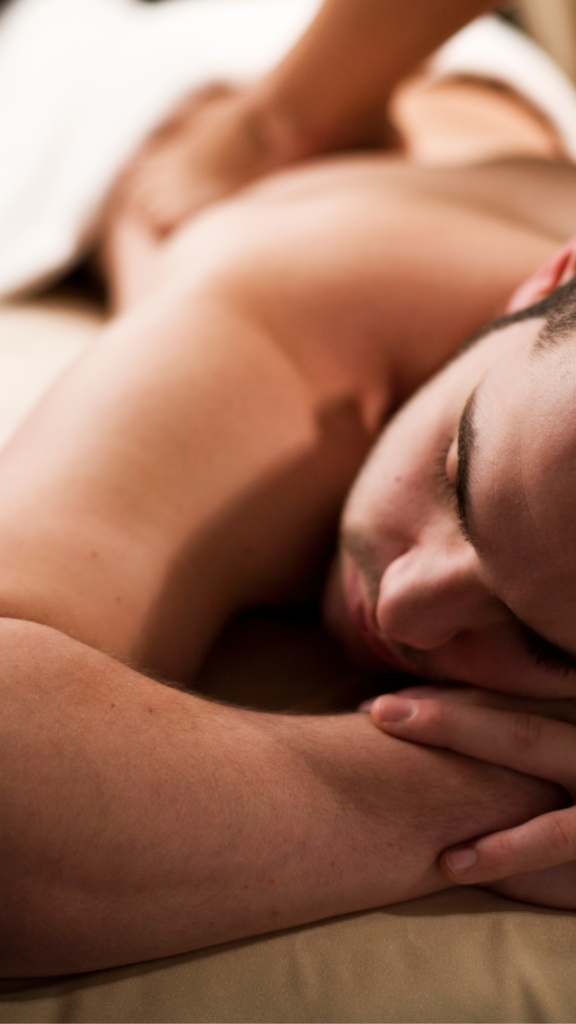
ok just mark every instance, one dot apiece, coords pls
pixel 329 92
pixel 330 86
pixel 141 822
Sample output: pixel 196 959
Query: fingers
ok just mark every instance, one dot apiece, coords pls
pixel 427 691
pixel 175 173
pixel 513 739
pixel 543 842
pixel 419 692
pixel 465 694
pixel 562 709
pixel 552 887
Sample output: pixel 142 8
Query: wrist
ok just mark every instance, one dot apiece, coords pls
pixel 282 128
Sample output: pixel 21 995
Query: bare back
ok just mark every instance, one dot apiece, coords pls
pixel 194 461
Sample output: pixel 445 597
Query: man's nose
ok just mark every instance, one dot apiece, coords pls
pixel 428 597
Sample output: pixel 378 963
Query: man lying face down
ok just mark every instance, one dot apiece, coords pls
pixel 193 464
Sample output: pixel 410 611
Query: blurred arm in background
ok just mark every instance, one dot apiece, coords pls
pixel 328 93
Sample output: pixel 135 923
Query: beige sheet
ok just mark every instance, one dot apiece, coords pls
pixel 552 23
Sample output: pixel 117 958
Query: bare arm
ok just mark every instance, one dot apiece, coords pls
pixel 329 92
pixel 536 861
pixel 192 462
pixel 140 822
pixel 334 83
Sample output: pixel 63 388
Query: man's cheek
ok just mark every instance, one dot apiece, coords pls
pixel 495 660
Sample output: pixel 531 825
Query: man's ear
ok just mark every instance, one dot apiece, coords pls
pixel 559 269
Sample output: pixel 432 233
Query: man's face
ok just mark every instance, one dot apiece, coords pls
pixel 458 551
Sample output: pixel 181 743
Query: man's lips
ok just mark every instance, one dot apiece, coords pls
pixel 360 619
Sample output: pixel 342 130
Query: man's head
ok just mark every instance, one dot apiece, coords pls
pixel 458 551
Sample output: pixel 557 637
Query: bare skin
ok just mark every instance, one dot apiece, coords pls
pixel 190 465
pixel 535 861
pixel 266 308
pixel 163 837
pixel 329 93
pixel 518 555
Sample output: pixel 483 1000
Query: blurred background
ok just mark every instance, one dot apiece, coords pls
pixel 553 24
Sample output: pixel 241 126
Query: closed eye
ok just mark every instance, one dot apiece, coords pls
pixel 444 485
pixel 544 653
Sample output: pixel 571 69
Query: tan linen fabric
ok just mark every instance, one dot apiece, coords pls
pixel 463 955
pixel 552 23
pixel 37 341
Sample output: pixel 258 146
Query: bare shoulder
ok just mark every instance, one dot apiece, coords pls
pixel 382 266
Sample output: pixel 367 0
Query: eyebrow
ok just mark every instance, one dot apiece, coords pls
pixel 542 649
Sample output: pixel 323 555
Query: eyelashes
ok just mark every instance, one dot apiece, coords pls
pixel 444 486
pixel 545 654
pixel 541 652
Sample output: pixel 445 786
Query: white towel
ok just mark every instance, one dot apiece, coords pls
pixel 82 82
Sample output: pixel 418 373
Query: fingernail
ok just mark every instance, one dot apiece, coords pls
pixel 461 860
pixel 366 705
pixel 392 709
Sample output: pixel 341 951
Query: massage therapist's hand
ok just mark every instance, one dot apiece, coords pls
pixel 218 140
pixel 535 861
pixel 328 93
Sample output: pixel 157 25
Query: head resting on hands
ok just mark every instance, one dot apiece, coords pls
pixel 458 547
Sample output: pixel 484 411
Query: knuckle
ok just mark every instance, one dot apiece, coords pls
pixel 499 855
pixel 559 836
pixel 503 849
pixel 436 716
pixel 526 730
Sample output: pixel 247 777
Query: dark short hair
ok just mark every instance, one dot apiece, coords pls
pixel 558 311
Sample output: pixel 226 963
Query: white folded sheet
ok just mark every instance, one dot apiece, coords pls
pixel 82 82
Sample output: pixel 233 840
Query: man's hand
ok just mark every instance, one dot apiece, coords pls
pixel 517 734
